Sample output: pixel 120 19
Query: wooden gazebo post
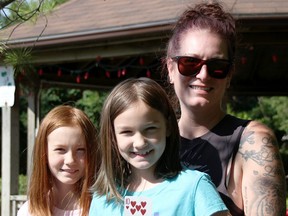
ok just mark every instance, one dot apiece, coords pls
pixel 9 100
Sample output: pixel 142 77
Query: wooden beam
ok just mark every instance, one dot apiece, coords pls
pixel 31 130
pixel 10 155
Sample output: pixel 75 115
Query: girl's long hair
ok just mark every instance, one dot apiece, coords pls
pixel 41 180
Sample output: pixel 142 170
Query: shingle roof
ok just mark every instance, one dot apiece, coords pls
pixel 77 17
pixel 79 31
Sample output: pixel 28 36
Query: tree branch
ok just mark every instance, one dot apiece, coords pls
pixel 4 3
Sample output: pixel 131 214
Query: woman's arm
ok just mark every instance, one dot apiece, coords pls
pixel 263 176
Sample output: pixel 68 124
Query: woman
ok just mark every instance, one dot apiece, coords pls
pixel 241 156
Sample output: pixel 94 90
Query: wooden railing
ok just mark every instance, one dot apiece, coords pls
pixel 16 201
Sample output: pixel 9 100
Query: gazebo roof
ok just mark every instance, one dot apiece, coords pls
pixel 77 32
pixel 89 17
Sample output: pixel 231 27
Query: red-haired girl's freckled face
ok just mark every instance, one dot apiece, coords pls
pixel 66 154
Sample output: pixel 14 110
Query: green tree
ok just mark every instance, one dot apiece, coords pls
pixel 271 111
pixel 18 11
pixel 51 97
pixel 91 103
pixel 275 112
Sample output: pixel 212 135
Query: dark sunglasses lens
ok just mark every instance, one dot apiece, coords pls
pixel 189 66
pixel 218 69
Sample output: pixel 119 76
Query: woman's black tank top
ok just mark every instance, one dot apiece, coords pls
pixel 211 153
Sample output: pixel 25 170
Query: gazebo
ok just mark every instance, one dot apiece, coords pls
pixel 95 44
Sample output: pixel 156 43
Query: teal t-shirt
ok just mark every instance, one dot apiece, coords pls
pixel 191 193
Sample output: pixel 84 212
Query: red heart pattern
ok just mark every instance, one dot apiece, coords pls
pixel 133 203
pixel 137 208
pixel 143 204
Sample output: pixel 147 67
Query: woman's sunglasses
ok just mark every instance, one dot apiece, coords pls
pixel 190 66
